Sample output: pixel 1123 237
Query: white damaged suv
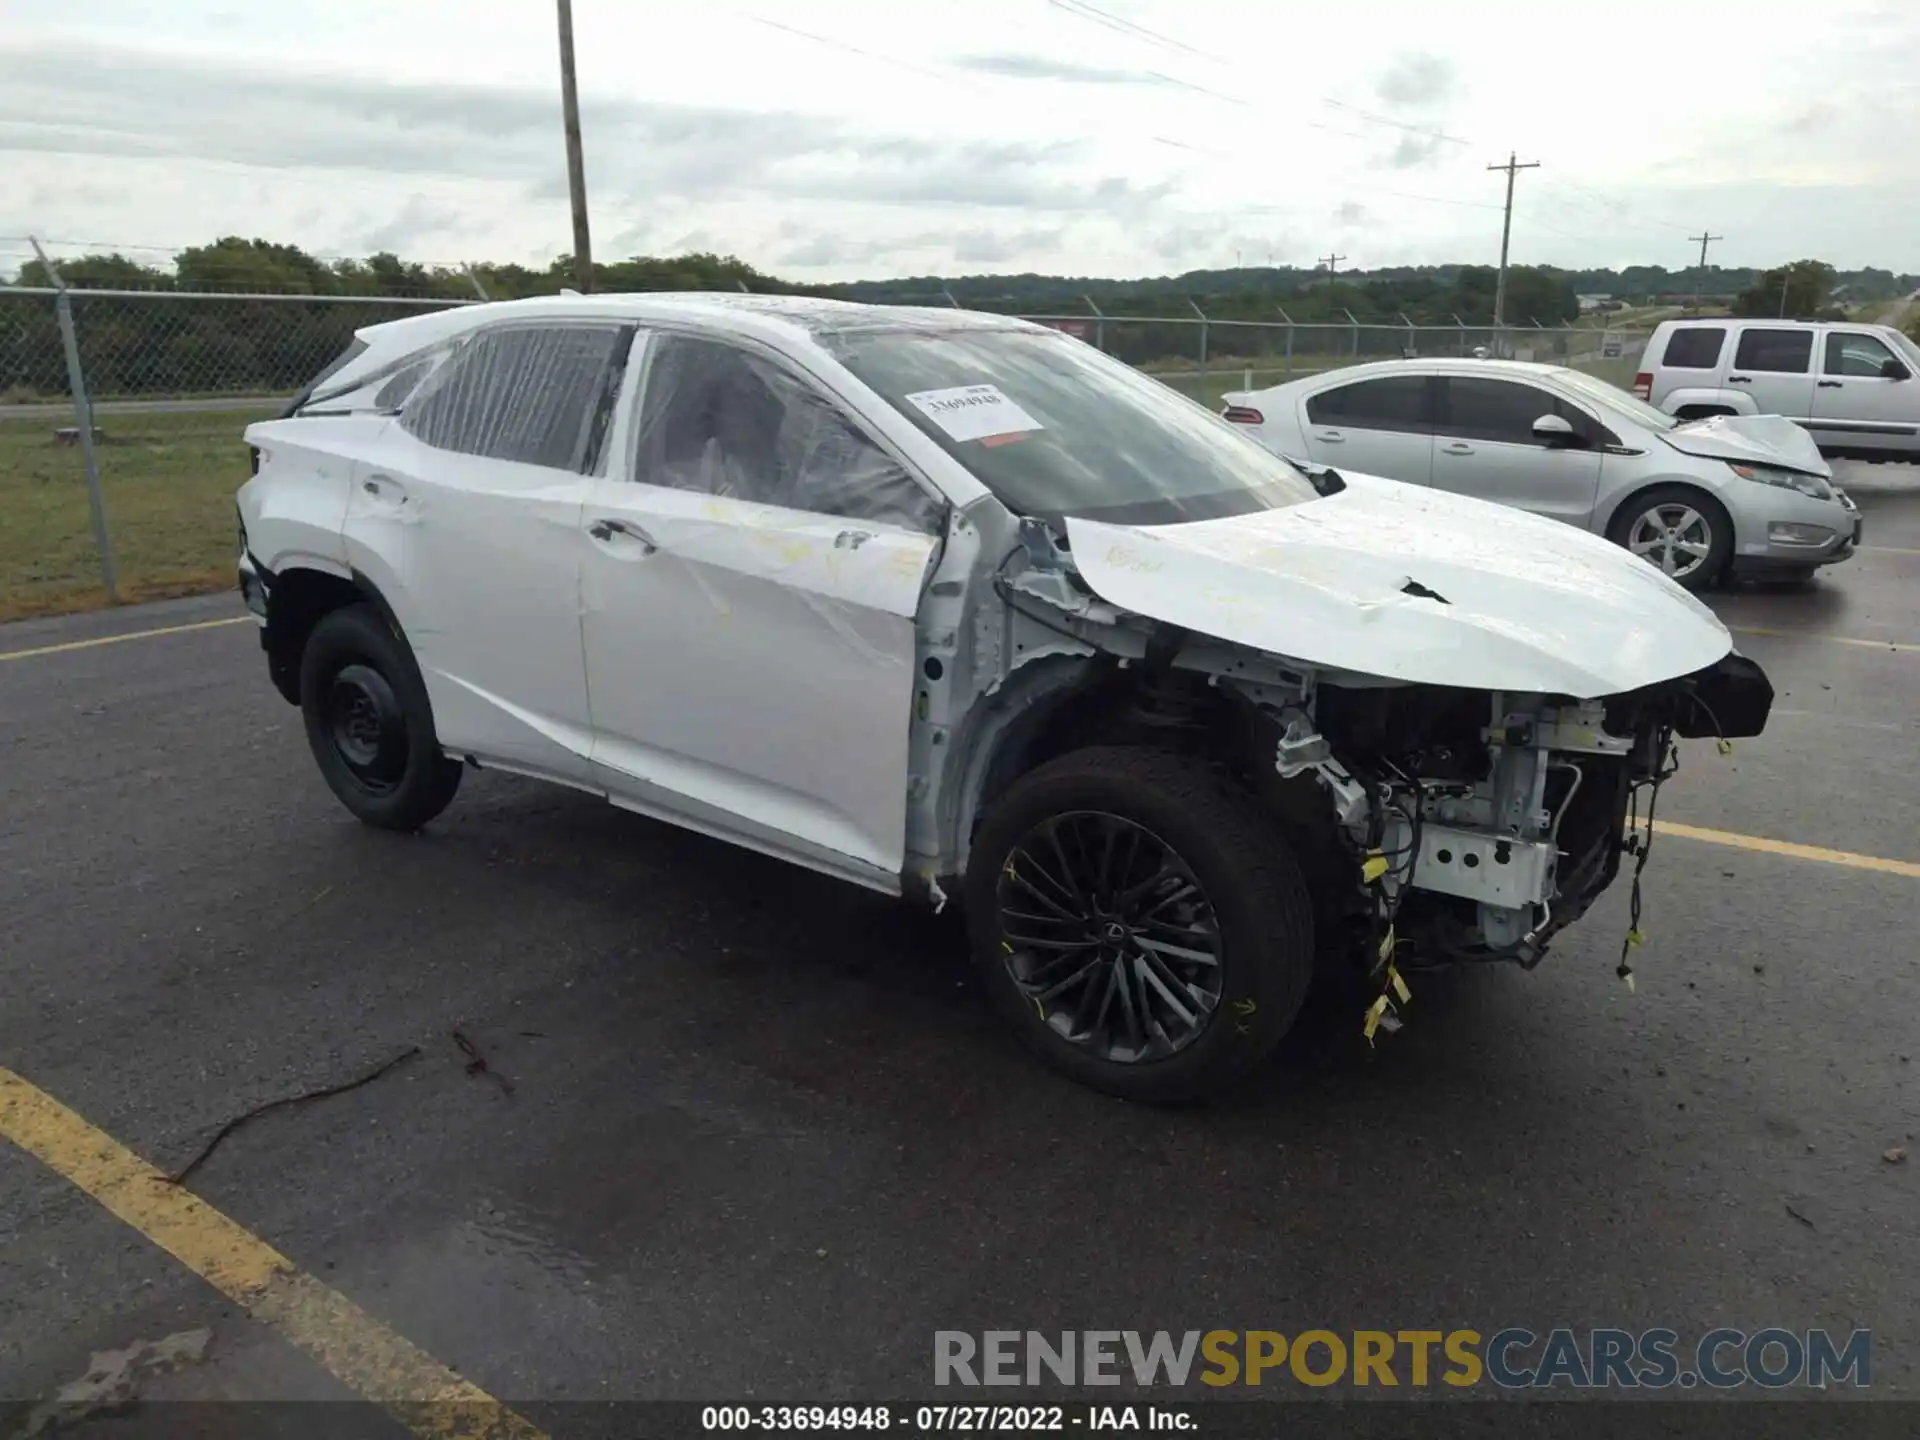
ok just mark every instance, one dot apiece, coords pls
pixel 947 604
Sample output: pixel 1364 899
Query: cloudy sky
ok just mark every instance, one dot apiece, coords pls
pixel 832 139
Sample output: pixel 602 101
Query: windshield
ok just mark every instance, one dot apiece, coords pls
pixel 1054 428
pixel 1611 397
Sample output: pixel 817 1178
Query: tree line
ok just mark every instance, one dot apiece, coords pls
pixel 241 345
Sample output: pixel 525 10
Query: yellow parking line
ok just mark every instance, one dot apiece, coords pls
pixel 1786 847
pixel 380 1365
pixel 1794 635
pixel 1888 550
pixel 130 635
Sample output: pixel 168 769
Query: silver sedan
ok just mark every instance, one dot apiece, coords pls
pixel 1702 499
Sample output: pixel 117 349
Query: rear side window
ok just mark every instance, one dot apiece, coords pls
pixel 1697 347
pixel 1397 402
pixel 535 394
pixel 1781 351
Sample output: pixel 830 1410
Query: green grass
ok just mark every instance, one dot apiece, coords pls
pixel 168 482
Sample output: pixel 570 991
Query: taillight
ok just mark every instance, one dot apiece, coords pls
pixel 1643 385
pixel 1244 415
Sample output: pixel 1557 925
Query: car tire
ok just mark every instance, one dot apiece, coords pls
pixel 369 722
pixel 1677 500
pixel 1074 842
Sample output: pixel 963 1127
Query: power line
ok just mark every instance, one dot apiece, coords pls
pixel 878 57
pixel 1330 261
pixel 1513 166
pixel 1120 25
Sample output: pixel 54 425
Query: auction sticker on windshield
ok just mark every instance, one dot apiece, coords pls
pixel 973 412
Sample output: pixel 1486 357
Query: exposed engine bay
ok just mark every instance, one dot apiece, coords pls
pixel 1437 825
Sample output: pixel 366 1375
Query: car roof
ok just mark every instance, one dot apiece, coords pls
pixel 1723 321
pixel 1425 365
pixel 770 317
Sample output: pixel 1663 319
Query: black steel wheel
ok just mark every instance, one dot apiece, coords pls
pixel 368 727
pixel 369 723
pixel 1139 921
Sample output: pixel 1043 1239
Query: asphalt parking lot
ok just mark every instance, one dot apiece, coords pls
pixel 742 1133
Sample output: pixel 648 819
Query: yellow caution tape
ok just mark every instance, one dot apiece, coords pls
pixel 1399 984
pixel 1373 867
pixel 1634 937
pixel 1724 746
pixel 1374 1013
pixel 1387 943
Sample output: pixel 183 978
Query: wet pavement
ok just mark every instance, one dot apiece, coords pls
pixel 745 1133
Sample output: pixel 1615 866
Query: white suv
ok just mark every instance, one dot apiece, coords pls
pixel 1852 386
pixel 942 603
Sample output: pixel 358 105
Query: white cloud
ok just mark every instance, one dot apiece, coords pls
pixel 896 141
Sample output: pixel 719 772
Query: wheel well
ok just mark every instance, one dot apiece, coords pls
pixel 1180 712
pixel 296 603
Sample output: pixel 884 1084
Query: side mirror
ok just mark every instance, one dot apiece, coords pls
pixel 1554 429
pixel 1894 370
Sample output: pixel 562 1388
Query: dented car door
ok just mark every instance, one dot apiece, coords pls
pixel 751 569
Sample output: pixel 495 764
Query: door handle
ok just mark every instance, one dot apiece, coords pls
pixel 1457 448
pixel 1739 379
pixel 1828 384
pixel 606 531
pixel 1331 437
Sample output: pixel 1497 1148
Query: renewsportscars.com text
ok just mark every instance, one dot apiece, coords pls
pixel 1512 1358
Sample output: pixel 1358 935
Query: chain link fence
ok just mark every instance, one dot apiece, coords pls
pixel 1206 359
pixel 169 345
pixel 138 503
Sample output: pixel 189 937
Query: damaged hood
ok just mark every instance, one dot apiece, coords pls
pixel 1415 585
pixel 1751 440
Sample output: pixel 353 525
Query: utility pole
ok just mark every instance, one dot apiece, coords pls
pixel 1513 166
pixel 1705 240
pixel 1330 261
pixel 576 165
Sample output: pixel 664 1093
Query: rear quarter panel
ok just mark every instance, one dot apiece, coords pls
pixel 295 508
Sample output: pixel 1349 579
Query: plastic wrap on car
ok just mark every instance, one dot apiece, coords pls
pixel 522 393
pixel 720 421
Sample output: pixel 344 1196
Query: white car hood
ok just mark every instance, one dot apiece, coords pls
pixel 1753 439
pixel 1529 604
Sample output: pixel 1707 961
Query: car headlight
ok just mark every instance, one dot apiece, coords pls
pixel 1786 479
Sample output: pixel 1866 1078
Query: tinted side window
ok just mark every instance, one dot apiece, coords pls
pixel 719 420
pixel 1481 409
pixel 528 393
pixel 1851 353
pixel 1782 351
pixel 1397 402
pixel 1697 347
